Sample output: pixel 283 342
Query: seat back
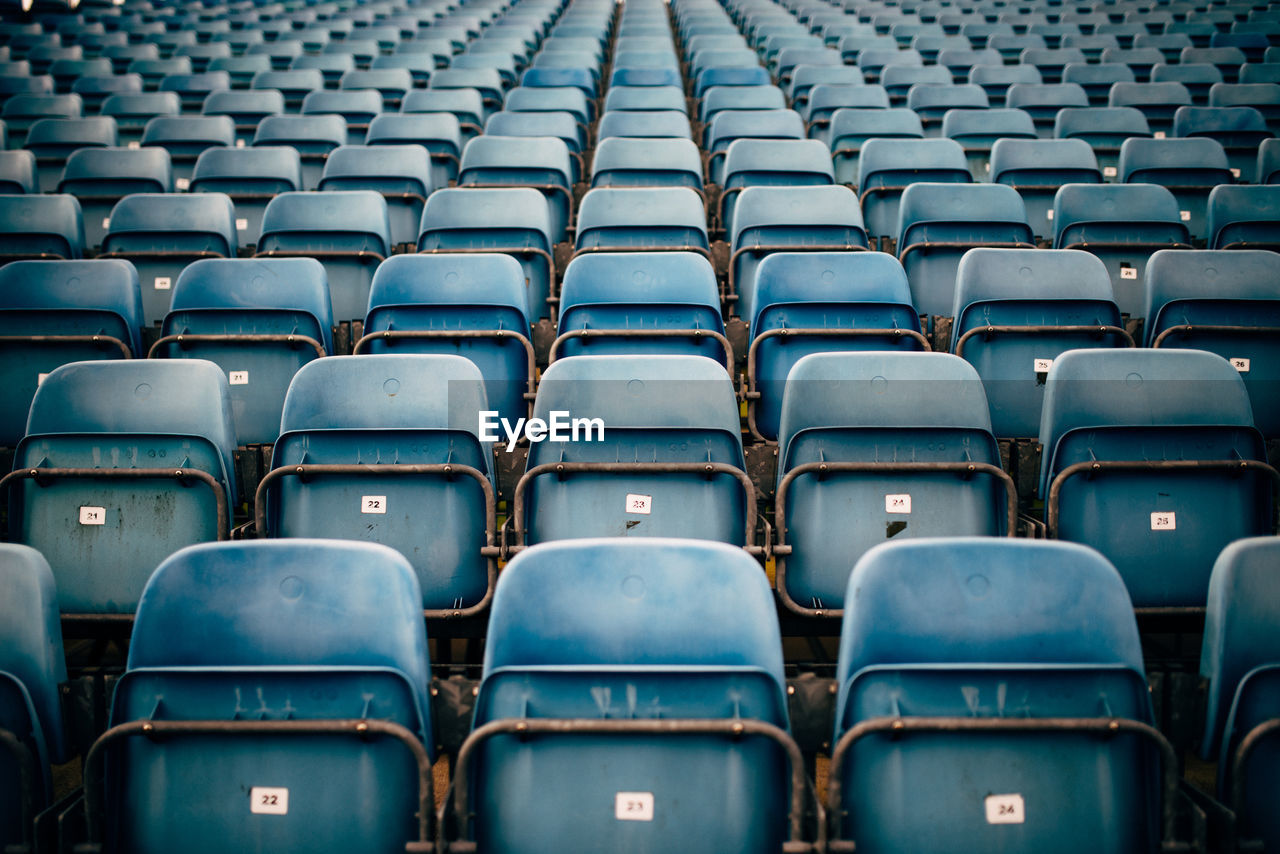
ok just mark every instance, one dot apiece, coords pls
pixel 649 218
pixel 544 163
pixel 401 173
pixel 1037 168
pixel 887 166
pixel 40 227
pixel 1243 217
pixel 621 162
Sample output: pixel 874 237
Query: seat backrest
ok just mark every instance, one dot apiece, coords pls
pixel 356 106
pixel 646 162
pixel 642 216
pixel 1043 161
pixel 896 162
pixel 333 219
pixel 262 169
pixel 393 170
pixel 172 222
pixel 1192 161
pixel 31 654
pixel 472 210
pixel 985 126
pixel 496 159
pixel 777 161
pixel 1108 212
pixel 18 173
pixel 1243 215
pixel 309 134
pixel 103 294
pixel 41 226
pixel 117 172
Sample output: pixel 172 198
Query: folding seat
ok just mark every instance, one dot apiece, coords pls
pixel 872 62
pixel 730 76
pixel 961 61
pixel 1012 46
pixel 93 90
pixel 1091 46
pixel 101 523
pixel 486 81
pixel 192 89
pixel 825 99
pixel 740 98
pixel 570 99
pixel 99 177
pixel 994 673
pixel 1199 78
pixel 930 47
pixel 32 672
pixel 977 131
pixel 1258 72
pixel 514 221
pixel 1227 59
pixel 1044 101
pixel 547 71
pixel 1096 79
pixel 40 227
pixel 1264 97
pixel 346 230
pixel 806 77
pixel 251 177
pixel 42 56
pixel 53 140
pixel 1050 62
pixel 419 65
pixel 887 166
pixel 364 50
pixel 313 136
pixel 1169 44
pixel 55 312
pixel 1105 129
pixel 294 84
pixel 504 63
pixel 132 111
pixel 185 137
pixel 897 80
pixel 401 173
pixel 543 163
pixel 201 54
pixel 332 66
pixel 18 173
pixel 938 223
pixel 1123 225
pixel 995 80
pixel 1268 171
pixel 1139 60
pixel 560 125
pixel 671 451
pixel 642 219
pixel 770 163
pixel 1243 218
pixel 65 72
pixel 841 439
pixel 812 302
pixel 1238 661
pixel 1126 33
pixel 1235 318
pixel 1240 130
pixel 154 69
pixel 465 104
pixel 438 133
pixel 1253 44
pixel 733 684
pixel 391 83
pixel 466 305
pixel 337 656
pixel 1016 310
pixel 1036 168
pixel 357 107
pixel 241 68
pixel 979 32
pixel 20 112
pixel 246 109
pixel 440 51
pixel 1190 168
pixel 1154 502
pixel 787 219
pixel 620 162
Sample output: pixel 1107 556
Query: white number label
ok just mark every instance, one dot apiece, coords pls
pixel 373 504
pixel 1005 809
pixel 1109 171
pixel 1050 213
pixel 106 222
pixel 634 806
pixel 897 503
pixel 1128 272
pixel 40 378
pixel 162 283
pixel 642 504
pixel 1186 215
pixel 1042 366
pixel 182 183
pixel 238 377
pixel 242 225
pixel 239 143
pixel 1241 365
pixel 269 800
pixel 1164 522
pixel 1158 134
pixel 1235 173
pixel 93 516
pixel 133 143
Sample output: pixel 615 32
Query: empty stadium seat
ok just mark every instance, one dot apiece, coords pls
pixel 544 163
pixel 887 166
pixel 996 80
pixel 642 219
pixel 99 177
pixel 132 111
pixel 401 173
pixel 346 230
pixel 22 111
pixel 337 665
pixel 1135 446
pixel 192 89
pixel 470 305
pixel 1243 218
pixel 1157 101
pixel 978 130
pixel 621 162
pixel 991 673
pixel 1037 168
pixel 313 136
pixel 1240 130
pixel 259 320
pixel 1105 129
pixel 123 462
pixel 357 107
pixel 895 438
pixel 669 462
pixel 1190 168
pixel 251 177
pixel 515 221
pixel 932 102
pixel 52 140
pixel 40 227
pixel 32 672
pixel 1045 101
pixel 852 128
pixel 1238 661
pixel 1016 310
pixel 18 173
pixel 567 99
pixel 185 137
pixel 640 777
pixel 294 84
pixel 246 109
pixel 771 163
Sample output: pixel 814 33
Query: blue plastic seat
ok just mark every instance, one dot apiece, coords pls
pixel 330 65
pixel 631 303
pixel 465 305
pixel 805 77
pixel 669 462
pixel 559 125
pixel 642 219
pixel 1262 96
pixel 771 163
pixel 930 102
pixel 1140 60
pixel 53 140
pixel 401 173
pixel 339 655
pixel 567 99
pixel 1153 431
pixel 651 660
pixel 1016 310
pixel 811 302
pixel 903 442
pixel 729 126
pixel 851 128
pixel 419 65
pixel 788 219
pixel 132 111
pixel 938 223
pixel 887 166
pixel 622 162
pixel 996 80
pixel 1036 168
pixel 294 84
pixel 825 99
pixel 259 320
pixel 1096 79
pixel 357 107
pixel 94 89
pixel 952 652
pixel 486 81
pixel 1244 218
pixel 1105 129
pixel 465 104
pixel 346 230
pixel 281 53
pixel 20 112
pixel 978 130
pixel 41 227
pixel 962 59
pixel 32 672
pixel 644 124
pixel 241 67
pixel 1239 659
pixel 1234 318
pixel 246 108
pixel 1240 130
pixel 1198 78
pixel 313 136
pixel 1123 225
pixel 134 460
pixel 391 83
pixel 1268 170
pixel 730 76
pixel 18 173
pixel 1157 101
pixel 544 163
pixel 1044 101
pixel 1227 59
pixel 192 89
pixel 439 133
pixel 185 137
pixel 1190 168
pixel 251 177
